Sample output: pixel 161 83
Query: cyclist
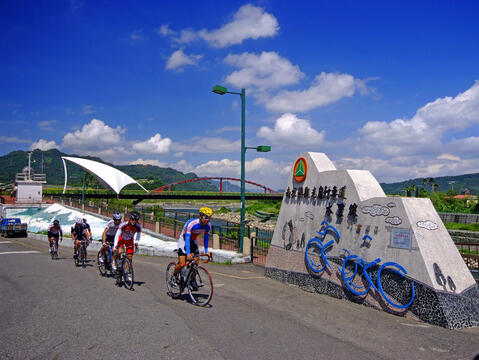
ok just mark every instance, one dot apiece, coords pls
pixel 188 243
pixel 78 232
pixel 108 237
pixel 54 232
pixel 89 238
pixel 125 236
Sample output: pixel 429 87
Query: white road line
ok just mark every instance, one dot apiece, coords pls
pixel 19 252
pixel 5 242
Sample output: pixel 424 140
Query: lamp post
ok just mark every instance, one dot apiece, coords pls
pixel 220 90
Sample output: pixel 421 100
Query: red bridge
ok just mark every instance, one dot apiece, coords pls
pixel 164 187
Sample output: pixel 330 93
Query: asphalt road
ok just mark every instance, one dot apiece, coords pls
pixel 52 310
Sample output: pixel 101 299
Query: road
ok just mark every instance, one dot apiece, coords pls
pixel 52 310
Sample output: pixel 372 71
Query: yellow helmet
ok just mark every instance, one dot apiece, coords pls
pixel 206 211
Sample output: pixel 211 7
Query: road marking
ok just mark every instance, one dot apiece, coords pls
pixel 238 277
pixel 19 252
pixel 219 285
pixel 416 325
pixel 5 242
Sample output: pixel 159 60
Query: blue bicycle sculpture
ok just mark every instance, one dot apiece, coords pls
pixel 315 249
pixel 317 260
pixel 361 271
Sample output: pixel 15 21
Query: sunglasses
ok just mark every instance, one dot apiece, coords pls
pixel 204 217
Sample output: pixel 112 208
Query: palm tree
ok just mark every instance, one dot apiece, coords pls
pixel 434 186
pixel 432 182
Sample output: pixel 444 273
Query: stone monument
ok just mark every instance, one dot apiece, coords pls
pixel 348 217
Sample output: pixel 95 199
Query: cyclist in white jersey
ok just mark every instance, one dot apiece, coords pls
pixel 108 237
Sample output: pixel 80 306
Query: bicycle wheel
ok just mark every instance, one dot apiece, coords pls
pixel 401 273
pixel 201 292
pixel 101 264
pixel 52 251
pixel 314 256
pixel 77 259
pixel 82 255
pixel 355 277
pixel 128 276
pixel 174 288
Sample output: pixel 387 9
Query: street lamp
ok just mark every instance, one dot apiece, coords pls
pixel 220 90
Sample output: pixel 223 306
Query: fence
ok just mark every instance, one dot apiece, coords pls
pixel 171 223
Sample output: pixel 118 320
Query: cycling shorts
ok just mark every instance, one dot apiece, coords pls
pixel 110 239
pixel 128 244
pixel 193 249
pixel 52 235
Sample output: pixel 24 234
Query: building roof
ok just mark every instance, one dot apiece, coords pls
pixel 109 177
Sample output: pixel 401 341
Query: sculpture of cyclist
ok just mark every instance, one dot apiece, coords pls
pixel 125 236
pixel 79 232
pixel 108 237
pixel 188 243
pixel 54 233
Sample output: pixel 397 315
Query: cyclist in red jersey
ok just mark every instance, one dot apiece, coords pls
pixel 125 236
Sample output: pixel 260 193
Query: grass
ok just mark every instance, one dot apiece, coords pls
pixel 458 226
pixel 467 251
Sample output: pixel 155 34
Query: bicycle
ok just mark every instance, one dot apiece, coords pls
pixel 315 249
pixel 195 278
pixel 54 250
pixel 124 270
pixel 361 268
pixel 105 265
pixel 81 253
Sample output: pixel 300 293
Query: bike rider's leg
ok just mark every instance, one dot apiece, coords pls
pixel 75 249
pixel 50 239
pixel 116 255
pixel 180 264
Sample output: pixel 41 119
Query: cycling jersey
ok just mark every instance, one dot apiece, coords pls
pixel 126 232
pixel 190 232
pixel 78 231
pixel 55 230
pixel 112 228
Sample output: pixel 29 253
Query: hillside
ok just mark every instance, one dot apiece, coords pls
pixel 446 183
pixel 148 175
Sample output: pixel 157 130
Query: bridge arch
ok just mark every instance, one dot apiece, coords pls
pixel 168 186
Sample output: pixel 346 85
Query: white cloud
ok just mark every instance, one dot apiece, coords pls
pixel 424 132
pixel 293 131
pixel 46 125
pixel 164 30
pixel 208 145
pixel 448 157
pixel 327 88
pixel 469 145
pixel 90 109
pixel 44 145
pixel 249 22
pixel 13 139
pixel 96 139
pixel 179 154
pixel 140 161
pixel 265 71
pixel 179 59
pixel 136 35
pixel 154 145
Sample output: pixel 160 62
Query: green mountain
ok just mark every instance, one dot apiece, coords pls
pixel 50 163
pixel 446 183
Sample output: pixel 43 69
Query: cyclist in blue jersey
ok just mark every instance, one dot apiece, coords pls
pixel 188 243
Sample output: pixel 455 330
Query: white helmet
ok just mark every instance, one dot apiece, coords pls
pixel 79 221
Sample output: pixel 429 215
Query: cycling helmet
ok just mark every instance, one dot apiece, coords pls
pixel 117 216
pixel 79 221
pixel 56 222
pixel 135 215
pixel 206 211
pixel 84 221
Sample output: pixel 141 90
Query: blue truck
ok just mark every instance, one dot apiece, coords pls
pixel 13 227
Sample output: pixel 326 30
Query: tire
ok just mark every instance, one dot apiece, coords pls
pixel 128 275
pixel 203 295
pixel 349 278
pixel 77 260
pixel 101 265
pixel 313 256
pixel 173 291
pixel 52 251
pixel 401 273
pixel 83 255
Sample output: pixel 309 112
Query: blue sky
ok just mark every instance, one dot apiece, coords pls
pixel 387 87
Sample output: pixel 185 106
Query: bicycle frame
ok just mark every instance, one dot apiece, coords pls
pixel 322 246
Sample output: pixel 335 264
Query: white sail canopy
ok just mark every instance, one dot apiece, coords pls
pixel 109 176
